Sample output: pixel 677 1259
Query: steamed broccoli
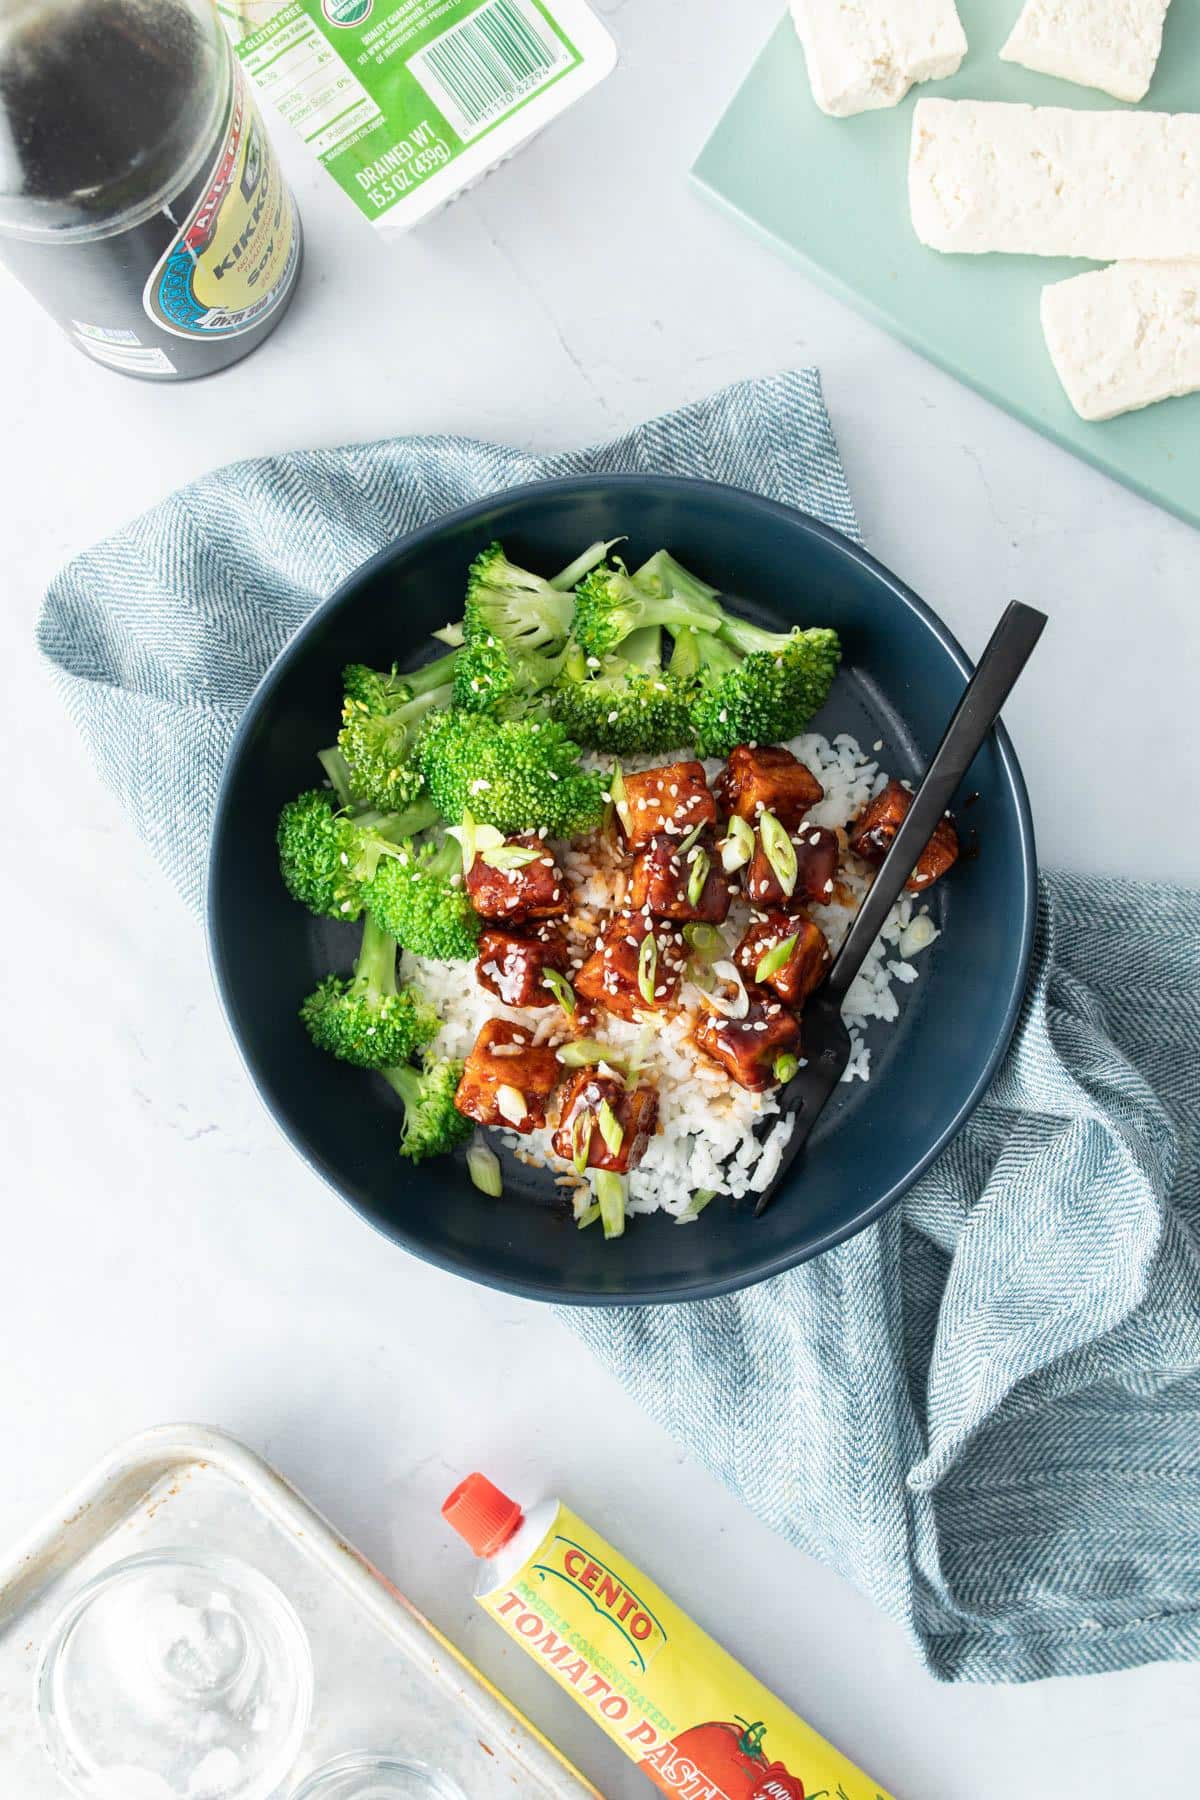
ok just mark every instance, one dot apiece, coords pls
pixel 765 696
pixel 326 853
pixel 611 603
pixel 629 703
pixel 515 774
pixel 432 1124
pixel 381 691
pixel 378 748
pixel 416 894
pixel 515 628
pixel 366 1018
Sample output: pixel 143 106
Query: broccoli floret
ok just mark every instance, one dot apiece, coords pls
pixel 515 774
pixel 382 691
pixel 610 604
pixel 367 1019
pixel 378 748
pixel 416 895
pixel 433 1126
pixel 630 703
pixel 326 853
pixel 765 696
pixel 515 627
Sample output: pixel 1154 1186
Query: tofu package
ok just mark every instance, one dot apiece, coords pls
pixel 407 103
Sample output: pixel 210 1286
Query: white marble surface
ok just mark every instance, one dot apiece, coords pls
pixel 165 1256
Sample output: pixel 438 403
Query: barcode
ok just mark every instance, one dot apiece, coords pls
pixel 480 69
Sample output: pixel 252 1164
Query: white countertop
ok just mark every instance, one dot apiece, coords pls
pixel 166 1255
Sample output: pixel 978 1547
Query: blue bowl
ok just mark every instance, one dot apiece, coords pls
pixel 901 676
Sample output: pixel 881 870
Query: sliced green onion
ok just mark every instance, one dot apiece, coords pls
pixel 696 1205
pixel 510 856
pixel 774 959
pixel 587 1217
pixel 739 1006
pixel 780 851
pixel 648 967
pixel 474 838
pixel 510 1103
pixel 610 1194
pixel 635 1057
pixel 483 1166
pixel 699 875
pixel 581 1138
pixel 562 990
pixel 450 634
pixel 616 787
pixel 786 1065
pixel 737 847
pixel 693 837
pixel 611 1129
pixel 703 940
pixel 580 1053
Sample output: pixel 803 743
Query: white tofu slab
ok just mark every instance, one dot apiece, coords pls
pixel 1125 336
pixel 1112 45
pixel 1050 181
pixel 866 54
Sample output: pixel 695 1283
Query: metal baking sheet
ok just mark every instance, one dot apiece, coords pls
pixel 384 1678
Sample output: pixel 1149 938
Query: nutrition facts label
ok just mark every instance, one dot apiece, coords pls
pixel 302 74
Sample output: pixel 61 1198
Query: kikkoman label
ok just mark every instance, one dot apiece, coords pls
pixel 698 1725
pixel 234 260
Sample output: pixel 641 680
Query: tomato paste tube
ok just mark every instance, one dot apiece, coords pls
pixel 692 1719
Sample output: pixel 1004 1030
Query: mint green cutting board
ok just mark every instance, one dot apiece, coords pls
pixel 834 193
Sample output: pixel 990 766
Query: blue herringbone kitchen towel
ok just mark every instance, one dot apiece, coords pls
pixel 986 1409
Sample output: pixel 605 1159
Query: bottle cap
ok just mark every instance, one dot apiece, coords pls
pixel 483 1516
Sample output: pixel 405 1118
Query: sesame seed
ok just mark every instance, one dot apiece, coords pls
pixel 878 744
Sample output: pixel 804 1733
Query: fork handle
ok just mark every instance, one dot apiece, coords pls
pixel 1008 650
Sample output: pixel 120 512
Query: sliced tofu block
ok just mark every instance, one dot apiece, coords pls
pixel 609 977
pixel 748 1047
pixel 507 1078
pixel 662 881
pixel 867 55
pixel 1112 45
pixel 512 964
pixel 872 833
pixel 769 777
pixel 635 1110
pixel 1126 336
pixel 533 888
pixel 1051 181
pixel 669 801
pixel 807 963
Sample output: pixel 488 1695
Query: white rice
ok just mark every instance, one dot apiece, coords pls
pixel 707 1135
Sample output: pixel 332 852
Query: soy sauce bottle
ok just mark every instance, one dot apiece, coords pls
pixel 141 202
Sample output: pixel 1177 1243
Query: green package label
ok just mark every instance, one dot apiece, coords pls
pixel 389 93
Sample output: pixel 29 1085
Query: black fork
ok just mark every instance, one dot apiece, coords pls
pixel 826 1038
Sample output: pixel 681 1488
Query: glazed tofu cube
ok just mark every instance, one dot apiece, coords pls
pixel 533 887
pixel 636 1113
pixel 662 875
pixel 748 1047
pixel 512 965
pixel 669 802
pixel 508 1078
pixel 871 837
pixel 806 967
pixel 609 977
pixel 817 853
pixel 769 778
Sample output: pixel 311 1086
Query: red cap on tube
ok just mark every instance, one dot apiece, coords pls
pixel 483 1516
